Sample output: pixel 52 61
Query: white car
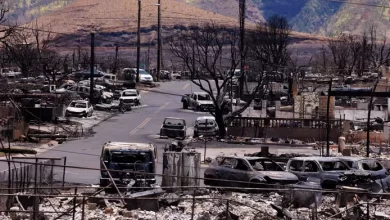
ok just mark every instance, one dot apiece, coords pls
pixel 79 108
pixel 144 77
pixel 130 97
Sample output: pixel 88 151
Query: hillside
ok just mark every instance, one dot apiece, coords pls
pixel 24 11
pixel 121 16
pixel 309 16
pixel 228 8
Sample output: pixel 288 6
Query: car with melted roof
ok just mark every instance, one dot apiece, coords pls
pixel 371 165
pixel 206 125
pixel 236 171
pixel 173 128
pixel 130 97
pixel 79 108
pixel 329 172
pixel 129 160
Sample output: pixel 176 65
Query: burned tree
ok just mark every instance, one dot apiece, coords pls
pixel 376 49
pixel 269 42
pixel 30 49
pixel 20 52
pixel 345 50
pixel 51 64
pixel 201 49
pixel 268 50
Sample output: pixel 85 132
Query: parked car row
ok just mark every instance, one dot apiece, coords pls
pixel 177 127
pixel 328 172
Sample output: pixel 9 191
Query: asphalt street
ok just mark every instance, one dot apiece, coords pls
pixel 140 125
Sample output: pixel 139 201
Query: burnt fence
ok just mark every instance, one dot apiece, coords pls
pixel 284 123
pixel 301 129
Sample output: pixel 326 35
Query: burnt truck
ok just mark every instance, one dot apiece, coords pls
pixel 124 162
pixel 173 128
pixel 198 101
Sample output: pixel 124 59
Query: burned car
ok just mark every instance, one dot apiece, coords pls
pixel 135 161
pixel 206 125
pixel 235 171
pixel 329 172
pixel 173 128
pixel 372 166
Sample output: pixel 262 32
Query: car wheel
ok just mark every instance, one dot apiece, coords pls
pixel 197 109
pixel 209 180
pixel 185 105
pixel 196 134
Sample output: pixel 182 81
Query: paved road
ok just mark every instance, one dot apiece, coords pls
pixel 139 125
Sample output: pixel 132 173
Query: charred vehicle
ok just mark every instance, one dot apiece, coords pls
pixel 206 125
pixel 173 128
pixel 372 166
pixel 234 171
pixel 130 97
pixel 329 172
pixel 131 162
pixel 198 101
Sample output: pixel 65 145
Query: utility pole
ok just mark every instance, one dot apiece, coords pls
pixel 242 43
pixel 116 59
pixel 368 119
pixel 158 40
pixel 73 59
pixel 138 39
pixel 327 121
pixel 92 67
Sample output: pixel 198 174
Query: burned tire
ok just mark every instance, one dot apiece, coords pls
pixel 185 105
pixel 207 181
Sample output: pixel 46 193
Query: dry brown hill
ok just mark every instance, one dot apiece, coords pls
pixel 121 16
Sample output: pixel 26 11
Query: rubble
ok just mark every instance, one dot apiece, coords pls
pixel 214 206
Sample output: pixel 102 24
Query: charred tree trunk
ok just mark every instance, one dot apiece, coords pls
pixel 220 122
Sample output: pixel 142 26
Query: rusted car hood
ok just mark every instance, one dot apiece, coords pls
pixel 278 175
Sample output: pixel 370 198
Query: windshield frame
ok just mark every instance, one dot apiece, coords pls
pixel 277 166
pixel 75 105
pixel 182 121
pixel 147 156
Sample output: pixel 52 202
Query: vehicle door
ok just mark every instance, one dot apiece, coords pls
pixel 222 172
pixel 239 174
pixel 311 169
pixel 295 167
pixel 192 103
pixel 376 169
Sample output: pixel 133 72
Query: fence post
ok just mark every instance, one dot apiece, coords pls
pixel 63 174
pixel 35 203
pixel 74 202
pixel 51 176
pixel 227 209
pixel 193 206
pixel 368 210
pixel 83 209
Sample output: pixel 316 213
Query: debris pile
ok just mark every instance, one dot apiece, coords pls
pixel 214 205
